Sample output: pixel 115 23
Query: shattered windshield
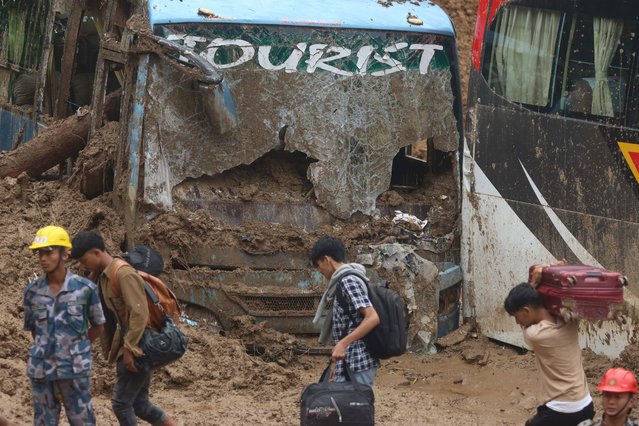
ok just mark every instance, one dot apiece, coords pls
pixel 348 99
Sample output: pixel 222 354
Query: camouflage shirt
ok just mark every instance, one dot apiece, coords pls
pixel 61 348
pixel 629 422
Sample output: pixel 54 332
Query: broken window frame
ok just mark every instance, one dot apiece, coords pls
pixel 449 53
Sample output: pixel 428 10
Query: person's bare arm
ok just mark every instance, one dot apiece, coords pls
pixel 5 422
pixel 535 278
pixel 95 332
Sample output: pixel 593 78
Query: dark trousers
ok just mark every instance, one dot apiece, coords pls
pixel 130 397
pixel 547 417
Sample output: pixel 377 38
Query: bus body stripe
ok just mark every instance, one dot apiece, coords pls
pixel 575 246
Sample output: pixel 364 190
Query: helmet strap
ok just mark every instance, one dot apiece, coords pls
pixel 621 409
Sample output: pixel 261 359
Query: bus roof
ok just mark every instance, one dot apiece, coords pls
pixel 361 14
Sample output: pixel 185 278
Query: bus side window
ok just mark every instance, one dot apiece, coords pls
pixel 520 63
pixel 597 66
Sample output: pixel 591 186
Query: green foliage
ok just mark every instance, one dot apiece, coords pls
pixel 16 35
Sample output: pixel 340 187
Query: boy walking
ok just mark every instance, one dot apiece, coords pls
pixel 353 315
pixel 130 397
pixel 64 315
pixel 564 389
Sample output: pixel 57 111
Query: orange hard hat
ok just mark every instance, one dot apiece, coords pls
pixel 618 380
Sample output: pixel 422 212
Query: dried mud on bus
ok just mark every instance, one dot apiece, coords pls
pixel 549 164
pixel 329 137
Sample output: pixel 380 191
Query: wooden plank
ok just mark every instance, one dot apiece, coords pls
pixel 99 84
pixel 114 56
pixel 99 92
pixel 44 64
pixel 68 58
pixel 134 143
pixel 128 85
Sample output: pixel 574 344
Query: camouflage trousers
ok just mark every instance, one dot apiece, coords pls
pixel 49 396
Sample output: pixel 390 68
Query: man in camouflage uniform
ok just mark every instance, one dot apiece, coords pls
pixel 64 315
pixel 619 389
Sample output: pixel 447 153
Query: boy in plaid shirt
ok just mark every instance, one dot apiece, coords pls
pixel 353 315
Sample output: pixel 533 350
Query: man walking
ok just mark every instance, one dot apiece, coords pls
pixel 130 397
pixel 555 340
pixel 64 315
pixel 353 315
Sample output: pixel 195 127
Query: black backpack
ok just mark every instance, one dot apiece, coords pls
pixel 390 337
pixel 145 259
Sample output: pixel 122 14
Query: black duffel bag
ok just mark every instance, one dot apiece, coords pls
pixel 332 403
pixel 161 347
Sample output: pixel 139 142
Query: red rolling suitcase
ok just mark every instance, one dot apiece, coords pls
pixel 590 292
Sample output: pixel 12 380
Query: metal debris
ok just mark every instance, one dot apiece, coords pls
pixel 414 20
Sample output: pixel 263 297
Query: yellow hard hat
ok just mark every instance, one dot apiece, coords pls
pixel 51 236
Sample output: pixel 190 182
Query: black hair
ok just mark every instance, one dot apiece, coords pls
pixel 520 296
pixel 85 241
pixel 328 246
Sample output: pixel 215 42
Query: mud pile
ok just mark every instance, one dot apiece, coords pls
pixel 463 14
pixel 92 174
pixel 25 206
pixel 629 358
pixel 214 365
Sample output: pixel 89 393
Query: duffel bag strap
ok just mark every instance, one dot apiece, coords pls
pixel 326 375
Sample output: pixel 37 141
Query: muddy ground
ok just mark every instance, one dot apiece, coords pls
pixel 219 382
pixel 252 375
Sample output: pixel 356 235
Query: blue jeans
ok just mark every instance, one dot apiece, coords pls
pixel 364 377
pixel 130 397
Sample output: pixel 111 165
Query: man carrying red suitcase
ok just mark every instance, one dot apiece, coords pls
pixel 619 389
pixel 563 385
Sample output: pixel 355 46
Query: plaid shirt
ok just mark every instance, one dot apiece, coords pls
pixel 346 319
